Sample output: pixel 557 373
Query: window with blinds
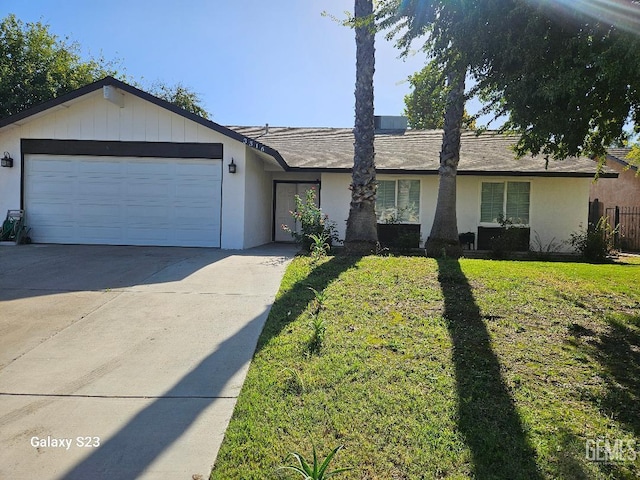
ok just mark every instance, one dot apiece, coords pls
pixel 398 201
pixel 514 206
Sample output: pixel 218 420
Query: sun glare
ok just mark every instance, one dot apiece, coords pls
pixel 624 14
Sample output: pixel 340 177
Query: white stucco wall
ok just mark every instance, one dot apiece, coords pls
pixel 335 197
pixel 258 202
pixel 558 206
pixel 91 117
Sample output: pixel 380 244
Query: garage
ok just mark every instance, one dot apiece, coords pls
pixel 111 164
pixel 103 193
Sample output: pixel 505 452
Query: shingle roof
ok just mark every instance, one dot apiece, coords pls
pixel 619 153
pixel 412 150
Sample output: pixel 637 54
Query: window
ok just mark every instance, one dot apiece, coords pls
pixel 398 201
pixel 514 205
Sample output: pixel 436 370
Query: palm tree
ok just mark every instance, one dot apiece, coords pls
pixel 362 234
pixel 443 239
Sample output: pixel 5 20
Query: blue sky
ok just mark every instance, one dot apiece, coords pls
pixel 252 62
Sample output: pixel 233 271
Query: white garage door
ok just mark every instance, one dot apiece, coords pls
pixel 123 201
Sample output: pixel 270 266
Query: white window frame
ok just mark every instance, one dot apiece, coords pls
pixel 505 196
pixel 391 216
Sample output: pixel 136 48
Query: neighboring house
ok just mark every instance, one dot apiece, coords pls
pixel 111 164
pixel 618 199
pixel 623 191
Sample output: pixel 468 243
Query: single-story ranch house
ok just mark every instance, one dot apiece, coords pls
pixel 111 164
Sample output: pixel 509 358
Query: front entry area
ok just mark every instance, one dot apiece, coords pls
pixel 284 203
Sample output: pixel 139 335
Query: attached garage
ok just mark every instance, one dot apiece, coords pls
pixel 116 193
pixel 111 164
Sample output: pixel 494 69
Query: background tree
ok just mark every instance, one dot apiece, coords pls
pixel 633 157
pixel 425 105
pixel 568 82
pixel 180 96
pixel 36 66
pixel 362 235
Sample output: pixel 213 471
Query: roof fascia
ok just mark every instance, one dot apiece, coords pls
pixel 478 173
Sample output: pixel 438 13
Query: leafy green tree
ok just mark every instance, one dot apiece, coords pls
pixel 36 66
pixel 180 96
pixel 567 80
pixel 425 105
pixel 633 157
pixel 362 234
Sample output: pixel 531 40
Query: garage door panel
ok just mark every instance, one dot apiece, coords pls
pixel 143 168
pixel 96 214
pixel 123 201
pixel 197 171
pixel 106 189
pixel 147 190
pixel 48 187
pixel 187 192
pixel 96 168
pixel 140 233
pixel 94 234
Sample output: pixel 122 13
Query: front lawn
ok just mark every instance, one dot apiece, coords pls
pixel 445 369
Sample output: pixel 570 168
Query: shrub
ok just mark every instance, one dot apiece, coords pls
pixel 507 240
pixel 595 243
pixel 312 222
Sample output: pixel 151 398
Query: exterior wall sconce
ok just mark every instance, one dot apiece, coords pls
pixel 6 161
pixel 232 167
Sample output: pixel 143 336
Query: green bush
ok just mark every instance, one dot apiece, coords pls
pixel 595 243
pixel 312 222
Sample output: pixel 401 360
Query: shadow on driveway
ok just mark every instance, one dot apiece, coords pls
pixel 155 428
pixel 37 270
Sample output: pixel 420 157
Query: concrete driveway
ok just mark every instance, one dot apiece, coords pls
pixel 125 362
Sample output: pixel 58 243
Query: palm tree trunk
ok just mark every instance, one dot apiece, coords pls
pixel 362 235
pixel 443 239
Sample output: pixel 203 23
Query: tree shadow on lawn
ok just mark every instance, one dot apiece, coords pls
pixel 618 352
pixel 488 419
pixel 289 306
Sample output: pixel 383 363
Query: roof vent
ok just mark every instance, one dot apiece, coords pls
pixel 390 124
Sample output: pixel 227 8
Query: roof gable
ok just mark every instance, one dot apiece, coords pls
pixel 619 155
pixel 77 94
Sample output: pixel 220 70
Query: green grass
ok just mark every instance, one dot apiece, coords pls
pixel 444 369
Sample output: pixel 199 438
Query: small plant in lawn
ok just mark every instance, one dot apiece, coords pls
pixel 315 471
pixel 319 328
pixel 295 384
pixel 318 300
pixel 318 325
pixel 312 222
pixel 319 245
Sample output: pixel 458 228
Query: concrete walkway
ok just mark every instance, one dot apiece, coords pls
pixel 125 362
